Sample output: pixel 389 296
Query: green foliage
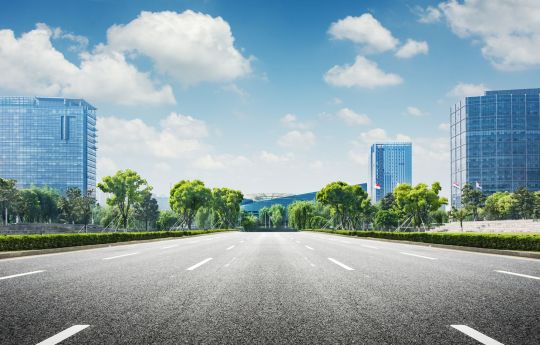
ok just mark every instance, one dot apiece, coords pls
pixel 146 209
pixel 439 216
pixel 264 217
pixel 528 242
pixel 524 203
pixel 67 205
pixel 248 221
pixel 386 219
pixel 204 218
pixel 28 207
pixel 459 214
pixel 388 202
pixel 277 215
pixel 8 196
pixel 126 188
pixel 28 242
pixel 473 199
pixel 300 214
pixel 501 205
pixel 226 206
pixel 536 212
pixel 186 197
pixel 166 220
pixel 415 203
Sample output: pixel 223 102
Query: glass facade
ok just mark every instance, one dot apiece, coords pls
pixel 495 142
pixel 48 142
pixel 390 165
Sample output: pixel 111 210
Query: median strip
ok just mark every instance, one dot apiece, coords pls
pixel 63 335
pixel 482 338
pixel 418 256
pixel 20 274
pixel 199 264
pixel 519 274
pixel 119 256
pixel 341 264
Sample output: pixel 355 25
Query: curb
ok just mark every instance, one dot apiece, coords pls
pixel 22 253
pixel 523 254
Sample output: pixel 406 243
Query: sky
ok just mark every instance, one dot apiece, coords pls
pixel 268 96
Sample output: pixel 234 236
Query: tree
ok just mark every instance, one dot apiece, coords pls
pixel 388 202
pixel 300 214
pixel 473 199
pixel 68 203
pixel 524 203
pixel 204 218
pixel 349 203
pixel 84 205
pixel 127 188
pixel 8 195
pixel 264 216
pixel 166 220
pixel 248 221
pixel 146 210
pixel 186 197
pixel 501 205
pixel 28 206
pixel 386 219
pixel 536 212
pixel 459 214
pixel 277 215
pixel 226 205
pixel 416 202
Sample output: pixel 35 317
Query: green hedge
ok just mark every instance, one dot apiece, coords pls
pixel 27 242
pixel 510 241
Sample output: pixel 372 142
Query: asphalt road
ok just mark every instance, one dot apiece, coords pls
pixel 270 288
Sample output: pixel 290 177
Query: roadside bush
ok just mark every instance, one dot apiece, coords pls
pixel 529 242
pixel 28 242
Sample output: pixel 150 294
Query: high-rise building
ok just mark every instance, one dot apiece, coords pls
pixel 390 165
pixel 48 142
pixel 495 142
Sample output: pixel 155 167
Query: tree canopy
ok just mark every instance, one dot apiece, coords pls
pixel 186 197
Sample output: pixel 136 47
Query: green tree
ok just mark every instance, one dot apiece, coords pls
pixel 8 196
pixel 248 221
pixel 126 188
pixel 501 205
pixel 28 206
pixel 300 214
pixel 264 216
pixel 439 216
pixel 204 218
pixel 536 212
pixel 388 202
pixel 84 206
pixel 166 220
pixel 524 203
pixel 472 199
pixel 226 206
pixel 459 214
pixel 386 219
pixel 67 205
pixel 277 215
pixel 186 197
pixel 146 209
pixel 415 203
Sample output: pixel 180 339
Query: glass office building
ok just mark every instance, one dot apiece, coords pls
pixel 48 142
pixel 495 142
pixel 390 164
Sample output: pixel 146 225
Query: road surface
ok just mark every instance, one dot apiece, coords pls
pixel 270 288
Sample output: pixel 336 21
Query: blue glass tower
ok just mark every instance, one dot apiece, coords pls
pixel 495 142
pixel 390 165
pixel 48 142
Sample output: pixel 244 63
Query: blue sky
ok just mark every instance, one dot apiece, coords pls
pixel 268 96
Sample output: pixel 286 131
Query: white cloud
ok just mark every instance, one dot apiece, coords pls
pixel 233 88
pixel 364 30
pixel 427 15
pixel 353 118
pixel 80 42
pixel 412 48
pixel 363 73
pixel 30 64
pixel 291 121
pixel 220 162
pixel 190 46
pixel 359 153
pixel 269 157
pixel 462 90
pixel 416 112
pixel 509 30
pixel 298 140
pixel 445 126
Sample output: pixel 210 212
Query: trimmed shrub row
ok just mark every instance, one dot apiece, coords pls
pixel 529 242
pixel 27 242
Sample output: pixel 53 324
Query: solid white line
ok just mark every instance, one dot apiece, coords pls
pixel 372 247
pixel 419 256
pixel 21 274
pixel 171 246
pixel 308 247
pixel 518 274
pixel 341 264
pixel 199 264
pixel 119 256
pixel 63 335
pixel 484 339
pixel 231 247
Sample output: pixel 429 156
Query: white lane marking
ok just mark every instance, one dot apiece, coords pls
pixel 231 247
pixel 21 274
pixel 372 247
pixel 341 264
pixel 199 264
pixel 55 339
pixel 230 262
pixel 308 247
pixel 311 263
pixel 119 256
pixel 484 339
pixel 518 274
pixel 171 246
pixel 241 241
pixel 418 256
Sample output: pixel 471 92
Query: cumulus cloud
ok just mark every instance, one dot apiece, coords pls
pixel 190 46
pixel 364 30
pixel 412 48
pixel 291 121
pixel 351 117
pixel 509 30
pixel 462 90
pixel 416 112
pixel 363 73
pixel 297 140
pixel 427 15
